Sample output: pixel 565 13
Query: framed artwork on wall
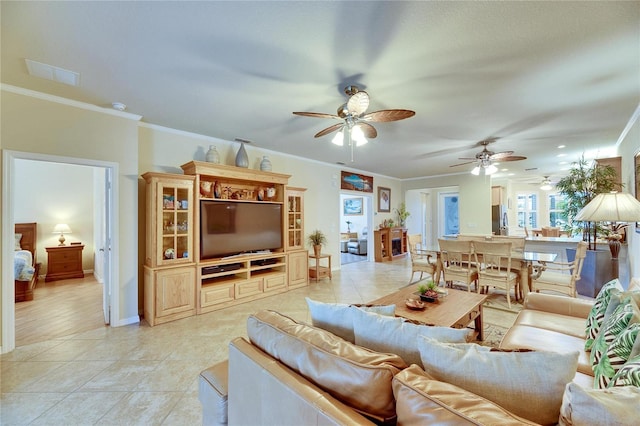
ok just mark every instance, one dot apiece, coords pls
pixel 352 206
pixel 384 199
pixel 356 182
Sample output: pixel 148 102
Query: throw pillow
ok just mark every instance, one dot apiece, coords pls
pixel 337 318
pixel 625 314
pixel 628 374
pixel 422 400
pixel 399 336
pixel 17 243
pixel 506 378
pixel 359 377
pixel 617 354
pixel 596 316
pixel 596 407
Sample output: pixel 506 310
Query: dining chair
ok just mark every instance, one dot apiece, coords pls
pixel 457 262
pixel 560 277
pixel 548 231
pixel 495 258
pixel 422 260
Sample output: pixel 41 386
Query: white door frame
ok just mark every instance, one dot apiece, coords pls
pixel 7 287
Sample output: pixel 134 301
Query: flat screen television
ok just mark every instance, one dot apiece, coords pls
pixel 228 228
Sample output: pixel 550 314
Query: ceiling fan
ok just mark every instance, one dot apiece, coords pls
pixel 485 158
pixel 354 121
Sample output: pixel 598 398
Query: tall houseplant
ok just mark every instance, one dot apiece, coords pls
pixel 579 187
pixel 403 214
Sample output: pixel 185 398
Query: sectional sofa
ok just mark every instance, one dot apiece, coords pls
pixel 372 368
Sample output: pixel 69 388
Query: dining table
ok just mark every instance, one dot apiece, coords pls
pixel 524 261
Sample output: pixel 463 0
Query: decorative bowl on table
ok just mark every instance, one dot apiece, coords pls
pixel 414 303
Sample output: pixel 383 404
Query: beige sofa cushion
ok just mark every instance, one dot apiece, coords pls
pixel 529 384
pixel 597 407
pixel 527 337
pixel 398 336
pixel 422 400
pixel 338 317
pixel 359 377
pixel 565 324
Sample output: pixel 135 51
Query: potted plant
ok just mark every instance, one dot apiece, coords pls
pixel 403 214
pixel 579 187
pixel 428 292
pixel 316 240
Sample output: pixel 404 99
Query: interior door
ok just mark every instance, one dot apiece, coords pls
pixel 106 249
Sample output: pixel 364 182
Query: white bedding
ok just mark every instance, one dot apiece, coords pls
pixel 23 265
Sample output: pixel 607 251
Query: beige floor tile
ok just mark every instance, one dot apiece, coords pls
pixel 80 408
pixel 141 408
pixel 171 376
pixel 21 375
pixel 188 411
pixel 68 377
pixel 121 376
pixel 23 408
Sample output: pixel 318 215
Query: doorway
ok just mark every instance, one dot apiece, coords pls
pixel 356 220
pixel 104 193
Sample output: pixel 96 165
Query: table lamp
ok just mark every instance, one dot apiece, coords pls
pixel 611 207
pixel 61 228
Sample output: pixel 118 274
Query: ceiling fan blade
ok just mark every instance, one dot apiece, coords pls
pixel 462 164
pixel 500 155
pixel 467 158
pixel 328 130
pixel 317 115
pixel 388 115
pixel 368 130
pixel 358 103
pixel 513 158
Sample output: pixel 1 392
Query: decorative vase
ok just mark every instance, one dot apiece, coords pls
pixel 242 159
pixel 317 249
pixel 212 155
pixel 265 164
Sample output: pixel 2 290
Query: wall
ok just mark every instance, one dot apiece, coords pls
pixel 629 147
pixel 36 123
pixel 51 193
pixel 475 200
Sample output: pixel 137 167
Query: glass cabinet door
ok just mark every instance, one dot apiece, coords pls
pixel 175 223
pixel 295 219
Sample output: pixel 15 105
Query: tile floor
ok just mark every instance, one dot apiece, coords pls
pixel 141 375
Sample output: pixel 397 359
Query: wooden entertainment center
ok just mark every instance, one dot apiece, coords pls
pixel 177 282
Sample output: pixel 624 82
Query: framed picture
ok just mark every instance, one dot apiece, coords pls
pixel 384 199
pixel 356 182
pixel 352 206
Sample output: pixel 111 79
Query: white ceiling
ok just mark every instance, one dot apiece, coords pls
pixel 534 74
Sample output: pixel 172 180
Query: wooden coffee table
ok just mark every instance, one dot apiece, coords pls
pixel 456 310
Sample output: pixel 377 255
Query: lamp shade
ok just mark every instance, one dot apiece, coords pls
pixel 611 207
pixel 62 228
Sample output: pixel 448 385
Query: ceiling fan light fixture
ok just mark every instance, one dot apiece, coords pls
pixel 338 139
pixel 475 171
pixel 546 185
pixel 358 136
pixel 491 169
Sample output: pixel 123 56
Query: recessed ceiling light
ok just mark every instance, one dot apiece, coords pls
pixel 561 155
pixel 563 162
pixel 561 146
pixel 38 69
pixel 119 106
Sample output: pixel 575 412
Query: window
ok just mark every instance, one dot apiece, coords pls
pixel 527 210
pixel 557 214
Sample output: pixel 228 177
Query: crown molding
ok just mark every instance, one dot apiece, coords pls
pixel 69 102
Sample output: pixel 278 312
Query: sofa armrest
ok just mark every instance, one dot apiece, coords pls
pixel 559 304
pixel 262 390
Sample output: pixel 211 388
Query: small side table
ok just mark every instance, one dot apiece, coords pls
pixel 319 271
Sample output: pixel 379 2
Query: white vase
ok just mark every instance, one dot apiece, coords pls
pixel 212 155
pixel 265 164
pixel 242 159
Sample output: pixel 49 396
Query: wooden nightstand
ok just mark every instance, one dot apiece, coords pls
pixel 64 262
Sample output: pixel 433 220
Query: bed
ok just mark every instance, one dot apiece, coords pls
pixel 26 268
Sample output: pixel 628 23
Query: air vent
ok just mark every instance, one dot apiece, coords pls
pixel 60 75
